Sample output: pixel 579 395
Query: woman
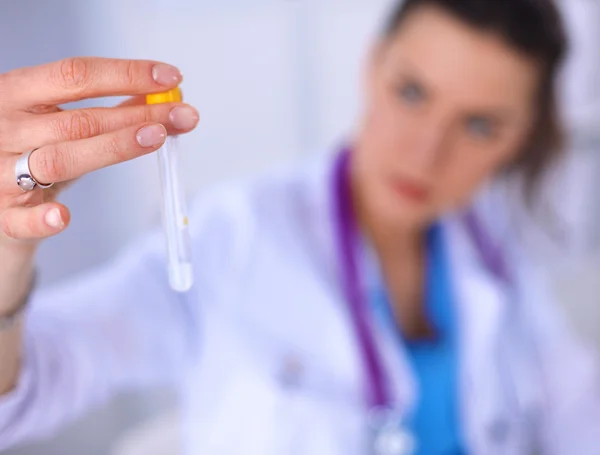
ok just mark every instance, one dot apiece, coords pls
pixel 365 304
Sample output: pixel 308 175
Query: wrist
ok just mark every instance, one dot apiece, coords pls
pixel 12 316
pixel 17 263
pixel 17 248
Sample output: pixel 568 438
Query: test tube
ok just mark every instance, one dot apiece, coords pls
pixel 174 213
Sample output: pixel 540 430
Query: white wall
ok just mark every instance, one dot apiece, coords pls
pixel 273 79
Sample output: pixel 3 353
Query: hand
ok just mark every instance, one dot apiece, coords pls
pixel 71 143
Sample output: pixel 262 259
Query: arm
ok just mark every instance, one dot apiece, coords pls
pixel 113 328
pixel 82 340
pixel 16 266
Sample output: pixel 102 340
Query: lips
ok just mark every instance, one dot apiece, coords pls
pixel 411 190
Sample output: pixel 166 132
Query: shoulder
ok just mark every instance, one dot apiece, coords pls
pixel 538 331
pixel 515 238
pixel 535 261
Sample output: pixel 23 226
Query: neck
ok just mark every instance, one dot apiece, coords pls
pixel 392 243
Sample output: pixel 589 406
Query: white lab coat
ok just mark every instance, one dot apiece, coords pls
pixel 262 348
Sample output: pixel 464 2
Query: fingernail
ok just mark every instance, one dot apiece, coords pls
pixel 184 117
pixel 54 219
pixel 151 136
pixel 164 74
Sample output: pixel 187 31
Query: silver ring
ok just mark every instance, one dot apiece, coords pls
pixel 25 180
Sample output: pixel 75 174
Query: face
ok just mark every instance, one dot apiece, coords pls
pixel 448 106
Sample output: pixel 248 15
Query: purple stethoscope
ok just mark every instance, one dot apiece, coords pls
pixel 389 437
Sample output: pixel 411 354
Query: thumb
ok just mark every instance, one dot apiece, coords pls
pixel 34 223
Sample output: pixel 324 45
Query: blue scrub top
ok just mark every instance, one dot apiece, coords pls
pixel 435 420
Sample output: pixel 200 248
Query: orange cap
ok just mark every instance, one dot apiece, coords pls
pixel 172 96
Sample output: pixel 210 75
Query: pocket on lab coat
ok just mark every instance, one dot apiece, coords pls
pixel 265 395
pixel 265 414
pixel 319 414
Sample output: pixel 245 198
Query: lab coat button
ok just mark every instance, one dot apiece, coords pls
pixel 292 370
pixel 498 431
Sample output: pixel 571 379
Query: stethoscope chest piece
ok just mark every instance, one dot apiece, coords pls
pixel 389 435
pixel 393 441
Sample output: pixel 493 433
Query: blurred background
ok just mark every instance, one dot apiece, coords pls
pixel 275 81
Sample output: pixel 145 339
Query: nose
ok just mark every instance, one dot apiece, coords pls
pixel 428 146
pixel 429 142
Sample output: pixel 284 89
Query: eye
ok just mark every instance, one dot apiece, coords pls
pixel 411 93
pixel 480 127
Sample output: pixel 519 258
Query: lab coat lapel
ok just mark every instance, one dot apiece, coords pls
pixel 481 302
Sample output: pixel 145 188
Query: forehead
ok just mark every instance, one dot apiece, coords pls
pixel 471 65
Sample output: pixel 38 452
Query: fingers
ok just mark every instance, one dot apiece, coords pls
pixel 31 223
pixel 75 79
pixel 38 130
pixel 69 160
